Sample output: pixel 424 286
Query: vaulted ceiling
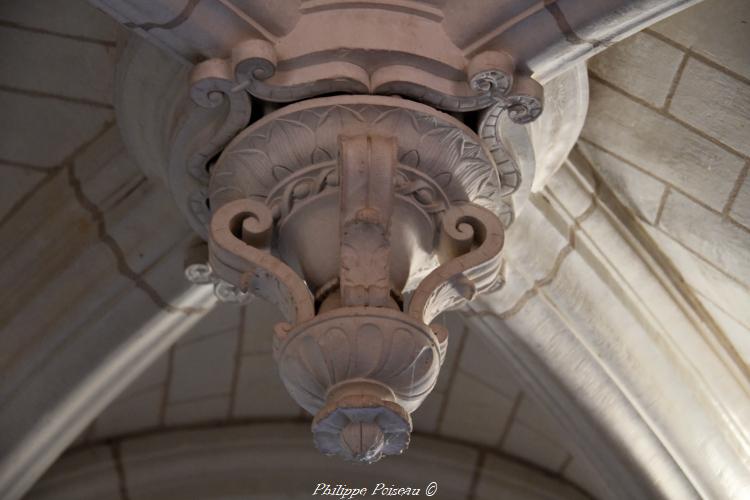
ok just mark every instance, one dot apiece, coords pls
pixel 92 245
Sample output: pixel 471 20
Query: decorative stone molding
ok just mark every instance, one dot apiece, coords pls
pixel 172 135
pixel 433 143
pixel 490 79
pixel 437 38
pixel 595 355
pixel 198 272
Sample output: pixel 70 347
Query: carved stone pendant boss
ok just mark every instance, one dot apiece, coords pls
pixel 361 209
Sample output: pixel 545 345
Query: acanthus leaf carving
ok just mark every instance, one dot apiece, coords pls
pixel 366 166
pixel 464 171
pixel 335 208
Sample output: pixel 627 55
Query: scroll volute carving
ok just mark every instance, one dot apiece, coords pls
pixel 352 353
pixel 239 252
pixel 471 239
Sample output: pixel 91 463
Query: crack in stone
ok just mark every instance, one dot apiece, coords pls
pixel 166 393
pixel 511 419
pixel 122 484
pixel 478 466
pixel 52 171
pixel 540 283
pixel 180 18
pixel 58 97
pixel 79 38
pixel 451 379
pixel 122 266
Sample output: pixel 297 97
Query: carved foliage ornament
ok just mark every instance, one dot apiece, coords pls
pixel 362 218
pixel 309 62
pixel 488 81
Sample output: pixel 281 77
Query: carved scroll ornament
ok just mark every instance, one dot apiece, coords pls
pixel 333 229
pixel 489 80
pixel 471 239
pixel 486 81
pixel 239 241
